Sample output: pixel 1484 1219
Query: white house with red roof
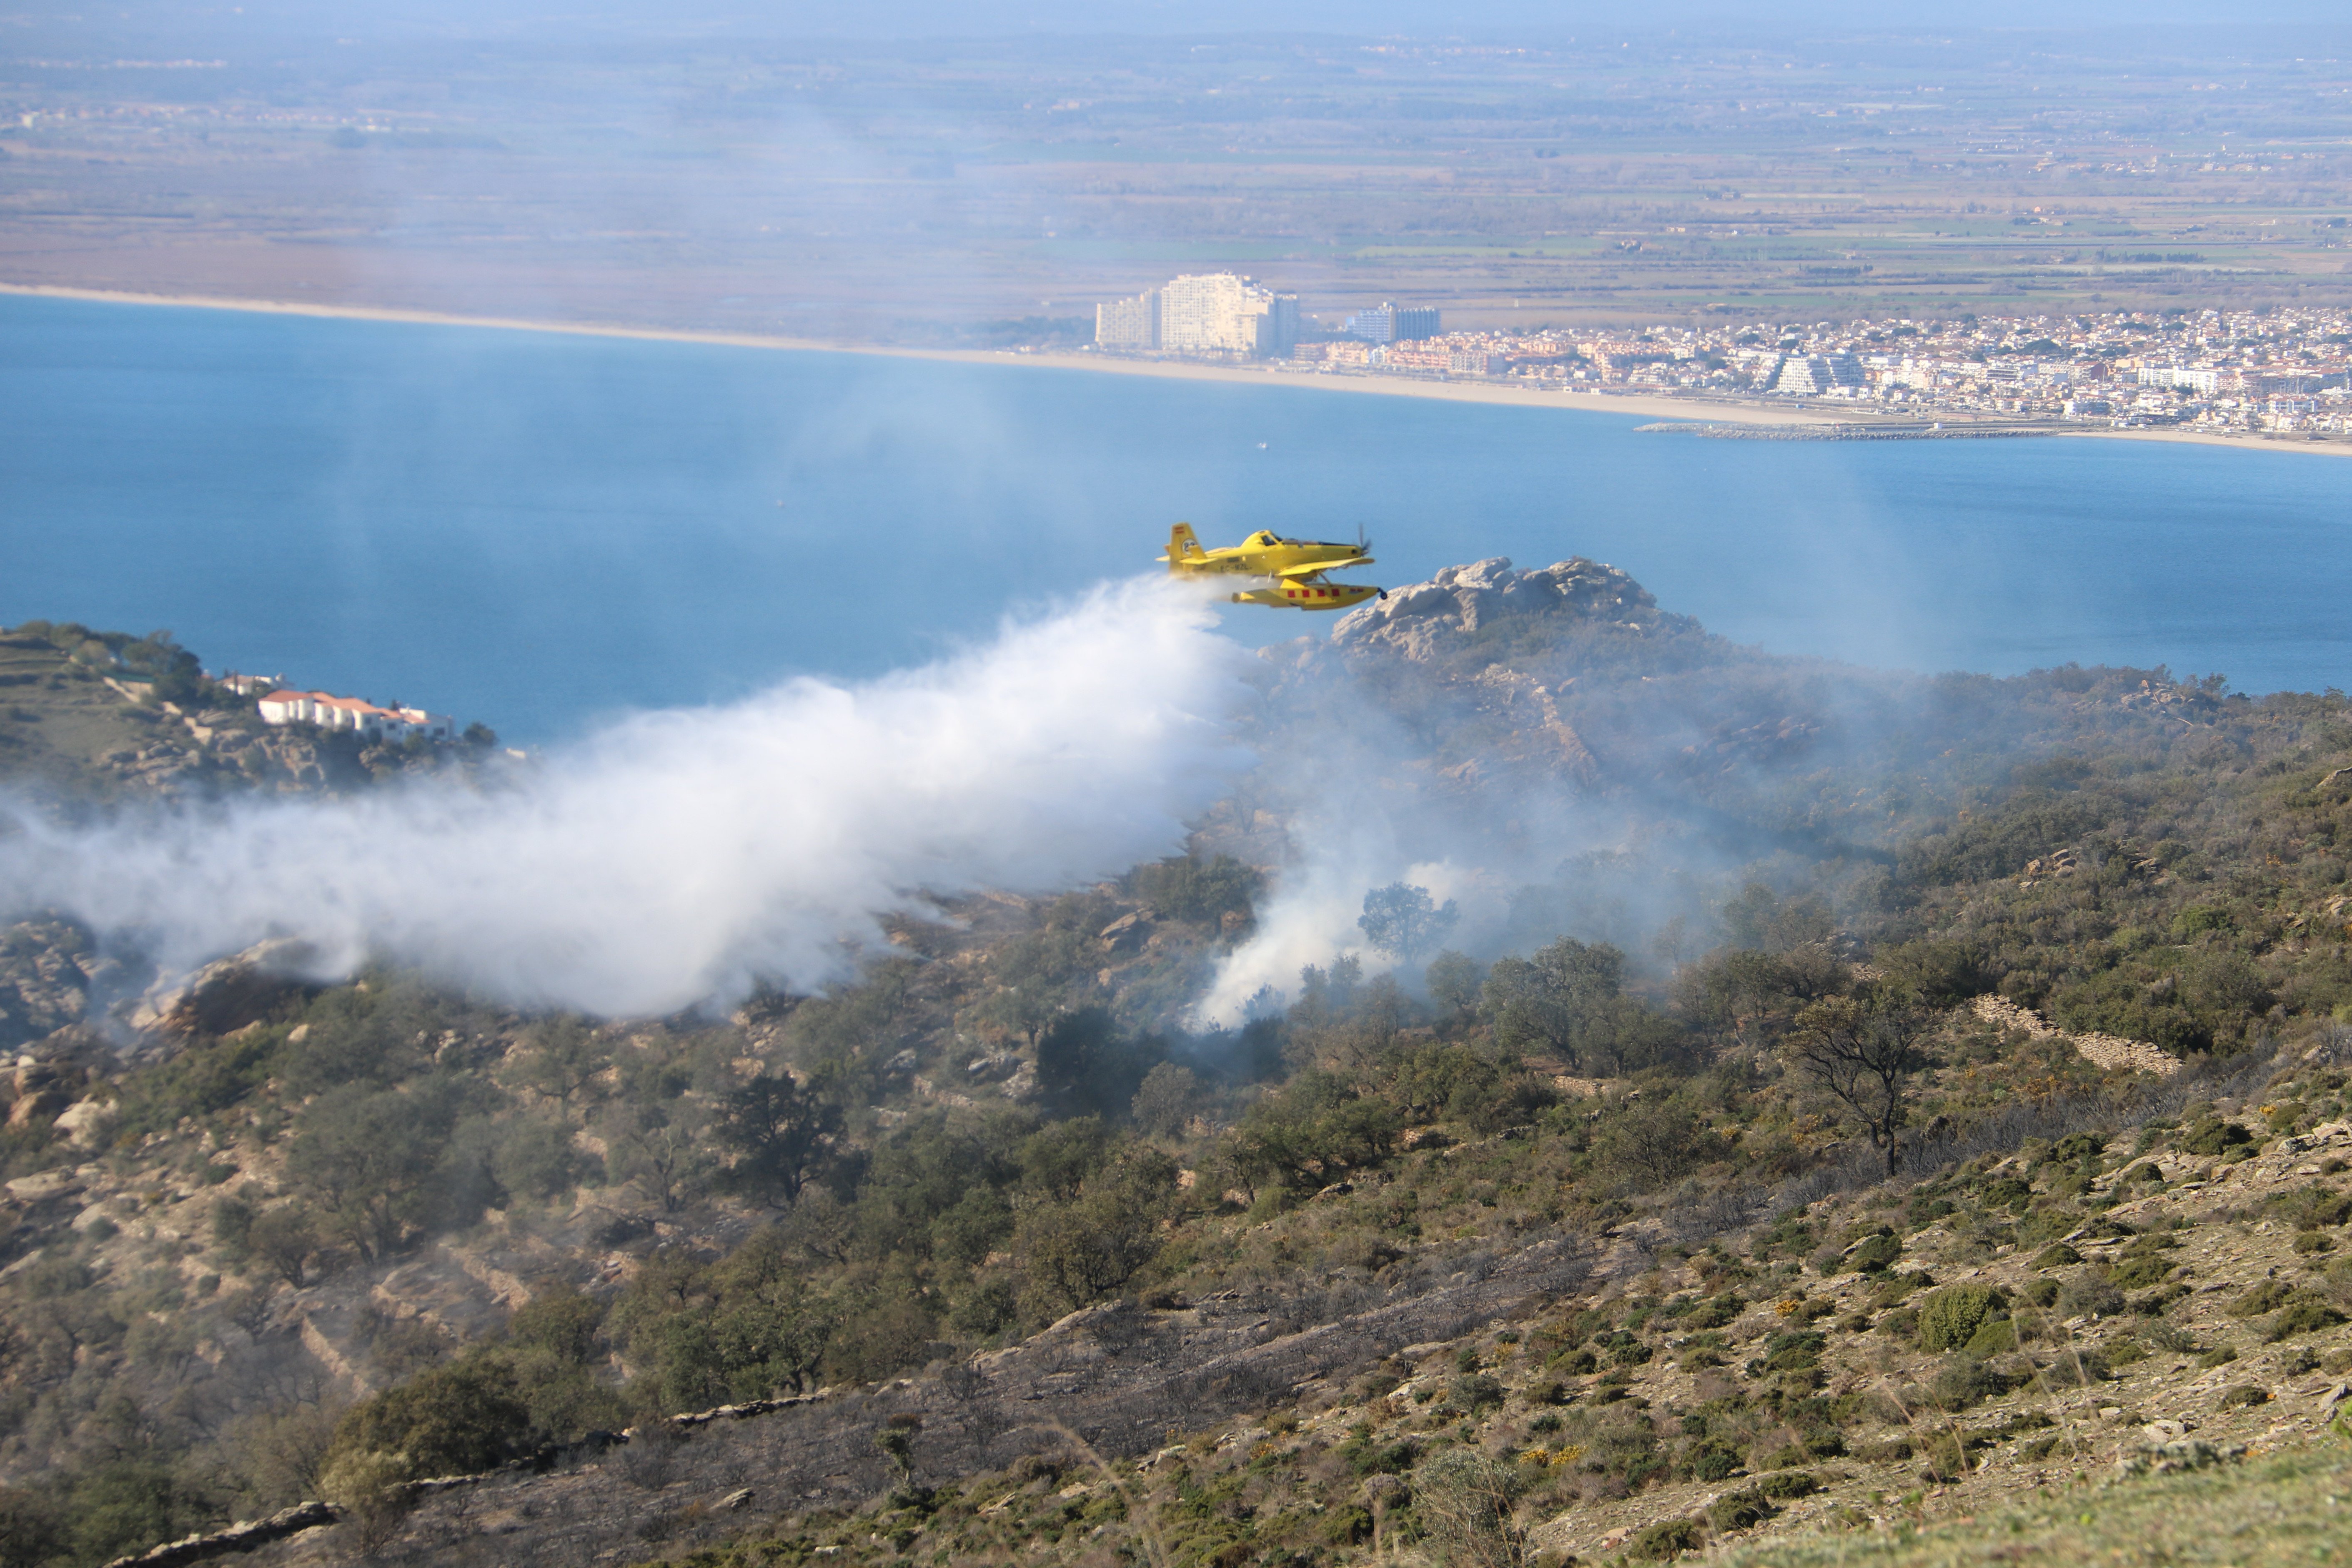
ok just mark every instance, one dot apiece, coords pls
pixel 354 713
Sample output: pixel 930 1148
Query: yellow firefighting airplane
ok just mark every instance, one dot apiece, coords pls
pixel 1292 569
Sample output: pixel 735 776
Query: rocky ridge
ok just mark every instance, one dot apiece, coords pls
pixel 1424 621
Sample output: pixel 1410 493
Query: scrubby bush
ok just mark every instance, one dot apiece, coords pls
pixel 2305 1315
pixel 1963 1381
pixel 2268 1296
pixel 1994 1336
pixel 1665 1541
pixel 1462 1499
pixel 2216 1137
pixel 1739 1510
pixel 1949 1318
pixel 1475 1393
pixel 1875 1254
pixel 2136 1268
pixel 1709 1459
pixel 1188 887
pixel 2078 1366
pixel 2090 1294
pixel 448 1421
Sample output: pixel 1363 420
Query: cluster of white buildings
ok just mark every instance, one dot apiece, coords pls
pixel 2281 369
pixel 280 706
pixel 2277 369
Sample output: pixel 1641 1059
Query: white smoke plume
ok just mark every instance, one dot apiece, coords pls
pixel 679 856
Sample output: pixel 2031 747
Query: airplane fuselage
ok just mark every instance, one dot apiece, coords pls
pixel 1290 570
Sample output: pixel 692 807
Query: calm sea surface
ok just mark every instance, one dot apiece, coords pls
pixel 535 530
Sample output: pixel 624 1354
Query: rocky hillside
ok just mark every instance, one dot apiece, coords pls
pixel 100 722
pixel 1581 1242
pixel 2073 1313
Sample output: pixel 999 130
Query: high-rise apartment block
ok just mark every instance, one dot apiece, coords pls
pixel 1393 323
pixel 1815 375
pixel 1129 324
pixel 1210 312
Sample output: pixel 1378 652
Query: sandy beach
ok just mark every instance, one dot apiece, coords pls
pixel 1650 405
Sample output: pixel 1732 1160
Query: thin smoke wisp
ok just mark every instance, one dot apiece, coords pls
pixel 679 856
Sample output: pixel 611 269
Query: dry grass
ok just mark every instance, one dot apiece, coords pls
pixel 2291 1508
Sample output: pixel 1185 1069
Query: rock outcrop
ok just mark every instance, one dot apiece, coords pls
pixel 1425 620
pixel 226 994
pixel 240 1537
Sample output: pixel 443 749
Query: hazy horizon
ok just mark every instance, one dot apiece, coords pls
pixel 373 20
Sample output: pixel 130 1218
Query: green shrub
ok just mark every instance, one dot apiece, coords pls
pixel 2313 1207
pixel 2266 1296
pixel 1716 1311
pixel 1738 1510
pixel 1665 1541
pixel 1875 1255
pixel 1951 1317
pixel 2198 920
pixel 2135 1271
pixel 1793 1352
pixel 1711 1459
pixel 2216 1137
pixel 1791 1484
pixel 1475 1393
pixel 2057 1255
pixel 1994 1336
pixel 2077 1366
pixel 447 1421
pixel 2042 1292
pixel 2245 1395
pixel 2076 1148
pixel 2307 1315
pixel 2006 1193
pixel 1187 887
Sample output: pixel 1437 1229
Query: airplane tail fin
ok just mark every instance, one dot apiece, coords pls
pixel 1185 546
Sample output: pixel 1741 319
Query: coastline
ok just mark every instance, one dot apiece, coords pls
pixel 1637 405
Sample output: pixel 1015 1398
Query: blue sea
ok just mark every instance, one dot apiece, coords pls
pixel 536 530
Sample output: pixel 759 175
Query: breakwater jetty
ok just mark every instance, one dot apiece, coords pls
pixel 1854 431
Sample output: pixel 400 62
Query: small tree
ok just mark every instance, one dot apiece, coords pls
pixel 660 1149
pixel 283 1239
pixel 1454 979
pixel 563 1061
pixel 781 1134
pixel 1164 1100
pixel 1865 1053
pixel 1402 921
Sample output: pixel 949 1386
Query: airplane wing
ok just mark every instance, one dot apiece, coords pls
pixel 1316 569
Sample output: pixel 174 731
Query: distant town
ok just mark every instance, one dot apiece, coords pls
pixel 2279 370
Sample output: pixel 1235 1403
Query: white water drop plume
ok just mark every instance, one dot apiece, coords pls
pixel 679 856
